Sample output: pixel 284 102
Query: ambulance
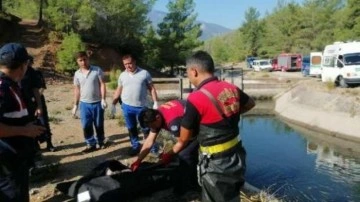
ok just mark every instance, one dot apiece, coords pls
pixel 341 63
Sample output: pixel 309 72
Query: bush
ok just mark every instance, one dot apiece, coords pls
pixel 114 75
pixel 330 85
pixel 69 46
pixel 55 36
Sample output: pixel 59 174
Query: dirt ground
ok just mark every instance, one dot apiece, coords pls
pixel 69 141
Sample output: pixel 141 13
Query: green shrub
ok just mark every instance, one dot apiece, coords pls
pixel 330 85
pixel 22 8
pixel 54 36
pixel 69 46
pixel 114 75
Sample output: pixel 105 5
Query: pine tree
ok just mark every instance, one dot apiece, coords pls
pixel 349 27
pixel 178 33
pixel 252 31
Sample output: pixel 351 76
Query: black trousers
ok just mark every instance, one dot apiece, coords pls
pixel 14 180
pixel 187 177
pixel 46 117
pixel 222 176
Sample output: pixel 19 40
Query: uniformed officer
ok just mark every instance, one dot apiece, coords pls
pixel 168 117
pixel 214 110
pixel 16 132
pixel 44 118
pixel 30 86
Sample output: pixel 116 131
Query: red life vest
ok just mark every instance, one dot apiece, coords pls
pixel 213 128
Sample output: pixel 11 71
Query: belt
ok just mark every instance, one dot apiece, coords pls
pixel 214 149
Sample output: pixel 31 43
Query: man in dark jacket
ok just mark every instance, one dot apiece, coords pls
pixel 17 132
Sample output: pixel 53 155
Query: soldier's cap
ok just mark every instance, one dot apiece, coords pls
pixel 12 53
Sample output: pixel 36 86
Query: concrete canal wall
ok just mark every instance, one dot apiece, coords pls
pixel 330 113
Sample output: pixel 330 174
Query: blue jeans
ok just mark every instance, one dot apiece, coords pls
pixel 131 115
pixel 91 115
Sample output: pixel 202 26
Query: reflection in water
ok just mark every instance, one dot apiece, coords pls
pixel 299 165
pixel 337 165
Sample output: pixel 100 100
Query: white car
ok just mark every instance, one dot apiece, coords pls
pixel 262 65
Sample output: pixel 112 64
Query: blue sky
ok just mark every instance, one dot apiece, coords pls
pixel 228 13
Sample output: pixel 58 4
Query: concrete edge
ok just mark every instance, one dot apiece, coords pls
pixel 333 123
pixel 313 128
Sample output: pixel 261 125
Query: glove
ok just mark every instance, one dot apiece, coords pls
pixel 166 158
pixel 113 111
pixel 134 166
pixel 73 111
pixel 155 106
pixel 103 103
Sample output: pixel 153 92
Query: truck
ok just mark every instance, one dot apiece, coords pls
pixel 249 61
pixel 315 64
pixel 311 64
pixel 262 65
pixel 274 64
pixel 305 66
pixel 289 62
pixel 341 63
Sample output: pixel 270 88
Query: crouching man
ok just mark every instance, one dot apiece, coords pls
pixel 168 117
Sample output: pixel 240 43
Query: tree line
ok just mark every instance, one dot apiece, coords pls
pixel 290 27
pixel 120 24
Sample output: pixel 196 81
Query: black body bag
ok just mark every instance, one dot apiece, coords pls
pixel 122 184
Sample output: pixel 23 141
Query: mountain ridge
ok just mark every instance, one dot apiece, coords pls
pixel 209 30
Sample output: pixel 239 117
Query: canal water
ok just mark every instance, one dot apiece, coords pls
pixel 296 164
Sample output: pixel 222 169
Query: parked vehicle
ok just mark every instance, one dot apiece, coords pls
pixel 341 63
pixel 315 64
pixel 249 61
pixel 274 64
pixel 262 65
pixel 305 67
pixel 289 62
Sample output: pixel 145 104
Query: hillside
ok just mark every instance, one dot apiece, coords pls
pixel 35 39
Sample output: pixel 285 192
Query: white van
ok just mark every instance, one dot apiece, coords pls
pixel 341 63
pixel 262 65
pixel 315 64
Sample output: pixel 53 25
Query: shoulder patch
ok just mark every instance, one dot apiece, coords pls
pixel 174 128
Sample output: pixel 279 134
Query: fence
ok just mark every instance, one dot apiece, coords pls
pixel 235 75
pixel 179 87
pixel 169 87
